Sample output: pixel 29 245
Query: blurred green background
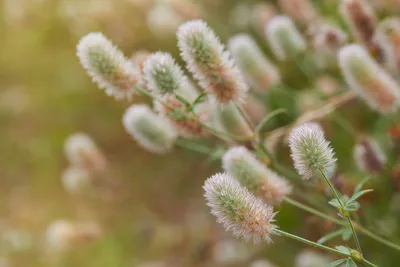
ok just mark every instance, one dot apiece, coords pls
pixel 155 211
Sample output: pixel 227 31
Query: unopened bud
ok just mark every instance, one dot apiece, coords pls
pixel 301 11
pixel 151 131
pixel 259 71
pixel 231 120
pixel 370 81
pixel 362 20
pixel 284 38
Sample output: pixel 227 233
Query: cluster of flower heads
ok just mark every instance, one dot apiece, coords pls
pixel 243 196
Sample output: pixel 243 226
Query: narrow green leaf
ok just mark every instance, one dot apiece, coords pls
pixel 336 263
pixel 361 184
pixel 330 236
pixel 350 263
pixel 200 99
pixel 359 194
pixel 183 101
pixel 268 118
pixel 177 115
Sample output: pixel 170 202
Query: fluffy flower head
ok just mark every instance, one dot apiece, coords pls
pixel 107 66
pixel 210 63
pixel 238 210
pixel 311 152
pixel 162 74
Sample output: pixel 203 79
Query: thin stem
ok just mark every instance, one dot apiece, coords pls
pixel 314 211
pixel 218 133
pixel 377 238
pixel 196 147
pixel 354 232
pixel 308 242
pixel 214 131
pixel 268 117
pixel 368 263
pixel 344 212
pixel 245 116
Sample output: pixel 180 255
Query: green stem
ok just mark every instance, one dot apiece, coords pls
pixel 245 116
pixel 194 146
pixel 214 131
pixel 267 118
pixel 219 133
pixel 308 242
pixel 378 238
pixel 368 263
pixel 314 211
pixel 344 212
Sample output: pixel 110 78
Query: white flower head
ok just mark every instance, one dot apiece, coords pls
pixel 284 38
pixel 151 131
pixel 242 165
pixel 163 76
pixel 259 71
pixel 311 152
pixel 368 79
pixel 210 63
pixel 238 210
pixel 107 66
